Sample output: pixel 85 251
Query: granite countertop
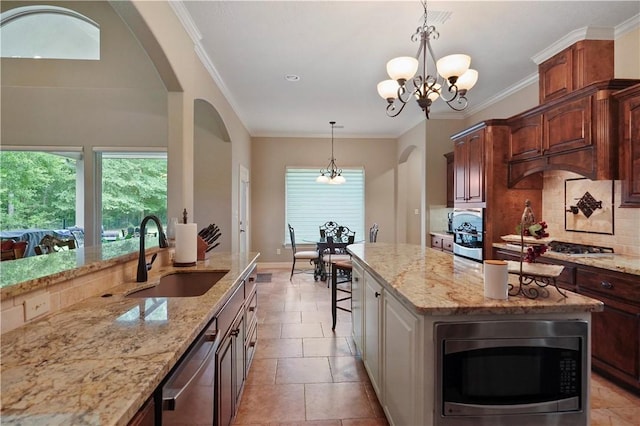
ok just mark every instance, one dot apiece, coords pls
pixel 98 361
pixel 435 283
pixel 36 272
pixel 441 234
pixel 611 261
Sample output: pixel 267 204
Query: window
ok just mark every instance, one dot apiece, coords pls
pixel 48 32
pixel 38 189
pixel 134 185
pixel 310 204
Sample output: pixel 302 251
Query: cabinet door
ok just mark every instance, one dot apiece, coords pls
pixel 401 371
pixel 555 76
pixel 238 334
pixel 436 242
pixel 460 171
pixel 475 167
pixel 357 306
pixel 224 377
pixel 525 139
pixel 450 172
pixel 630 167
pixel 568 126
pixel 615 342
pixel 372 309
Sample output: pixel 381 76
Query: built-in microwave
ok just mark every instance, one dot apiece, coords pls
pixel 522 373
pixel 468 231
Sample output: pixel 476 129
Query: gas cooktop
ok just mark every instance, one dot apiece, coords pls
pixel 574 248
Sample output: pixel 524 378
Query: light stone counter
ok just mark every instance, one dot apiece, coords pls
pixel 38 272
pixel 432 282
pixel 613 262
pixel 97 362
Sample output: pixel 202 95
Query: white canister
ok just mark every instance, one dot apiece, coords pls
pixel 496 279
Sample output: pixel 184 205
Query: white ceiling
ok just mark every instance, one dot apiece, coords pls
pixel 340 49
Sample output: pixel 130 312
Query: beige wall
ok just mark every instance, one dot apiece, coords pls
pixel 627 55
pixel 271 156
pixel 141 93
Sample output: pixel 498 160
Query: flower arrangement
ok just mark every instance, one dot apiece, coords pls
pixel 528 227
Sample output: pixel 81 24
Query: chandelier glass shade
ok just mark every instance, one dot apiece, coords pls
pixel 332 174
pixel 450 83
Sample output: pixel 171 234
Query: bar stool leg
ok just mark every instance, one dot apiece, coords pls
pixel 334 293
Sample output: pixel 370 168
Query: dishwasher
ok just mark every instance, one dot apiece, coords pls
pixel 189 391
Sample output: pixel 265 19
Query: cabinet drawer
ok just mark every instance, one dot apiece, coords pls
pixel 252 308
pixel 611 285
pixel 447 244
pixel 228 313
pixel 436 242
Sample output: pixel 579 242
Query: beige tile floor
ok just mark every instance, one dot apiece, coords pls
pixel 304 373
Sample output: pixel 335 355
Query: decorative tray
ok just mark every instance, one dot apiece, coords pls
pixel 535 269
pixel 527 240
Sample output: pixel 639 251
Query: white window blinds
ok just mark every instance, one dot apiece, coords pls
pixel 310 204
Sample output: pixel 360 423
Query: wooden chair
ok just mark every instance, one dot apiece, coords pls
pixel 311 256
pixel 51 244
pixel 344 267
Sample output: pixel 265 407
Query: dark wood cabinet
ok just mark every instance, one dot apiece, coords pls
pixel 145 416
pixel 577 133
pixel 480 180
pixel 629 121
pixel 577 66
pixel 469 167
pixel 615 332
pixel 450 170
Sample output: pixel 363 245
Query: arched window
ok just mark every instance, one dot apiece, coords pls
pixel 48 32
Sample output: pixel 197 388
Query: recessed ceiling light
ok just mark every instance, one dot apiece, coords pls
pixel 292 77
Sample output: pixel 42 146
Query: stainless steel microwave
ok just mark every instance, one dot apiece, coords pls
pixel 522 373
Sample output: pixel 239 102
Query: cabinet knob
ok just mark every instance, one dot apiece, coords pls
pixel 377 294
pixel 606 284
pixel 356 279
pixel 235 332
pixel 252 308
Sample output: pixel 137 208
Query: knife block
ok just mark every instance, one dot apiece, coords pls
pixel 202 248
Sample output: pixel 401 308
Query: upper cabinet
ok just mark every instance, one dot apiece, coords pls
pixel 575 67
pixel 450 171
pixel 577 133
pixel 469 167
pixel 629 120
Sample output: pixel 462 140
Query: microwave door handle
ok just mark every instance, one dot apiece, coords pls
pixel 170 396
pixel 454 346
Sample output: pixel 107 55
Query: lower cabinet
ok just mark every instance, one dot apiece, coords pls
pixel 372 328
pixel 392 350
pixel 442 242
pixel 357 305
pixel 402 390
pixel 231 374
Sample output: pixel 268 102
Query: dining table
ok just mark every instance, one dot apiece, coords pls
pixel 322 245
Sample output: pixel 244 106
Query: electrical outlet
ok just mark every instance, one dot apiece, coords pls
pixel 278 251
pixel 36 306
pixel 416 212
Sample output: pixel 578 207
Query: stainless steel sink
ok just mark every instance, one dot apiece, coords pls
pixel 181 284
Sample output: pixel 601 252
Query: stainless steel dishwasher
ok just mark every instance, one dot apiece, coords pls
pixel 188 395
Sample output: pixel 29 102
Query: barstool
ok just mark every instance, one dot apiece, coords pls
pixel 346 267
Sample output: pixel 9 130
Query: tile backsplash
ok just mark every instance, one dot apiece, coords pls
pixel 626 228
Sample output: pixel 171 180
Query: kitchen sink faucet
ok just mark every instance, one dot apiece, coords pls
pixel 143 266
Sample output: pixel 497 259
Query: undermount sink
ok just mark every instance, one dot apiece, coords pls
pixel 181 284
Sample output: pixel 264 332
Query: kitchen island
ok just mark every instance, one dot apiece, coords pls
pixel 400 292
pixel 98 361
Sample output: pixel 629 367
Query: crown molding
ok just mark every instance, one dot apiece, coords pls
pixel 630 24
pixel 585 33
pixel 531 79
pixel 196 37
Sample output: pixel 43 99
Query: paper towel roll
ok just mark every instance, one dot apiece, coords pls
pixel 496 279
pixel 186 243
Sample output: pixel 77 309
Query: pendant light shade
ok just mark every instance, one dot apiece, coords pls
pixel 402 68
pixel 388 89
pixel 453 66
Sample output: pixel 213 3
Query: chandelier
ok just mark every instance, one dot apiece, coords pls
pixel 332 174
pixel 451 82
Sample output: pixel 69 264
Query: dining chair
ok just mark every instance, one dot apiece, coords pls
pixel 50 244
pixel 311 255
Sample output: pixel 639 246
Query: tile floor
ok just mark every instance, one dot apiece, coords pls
pixel 303 373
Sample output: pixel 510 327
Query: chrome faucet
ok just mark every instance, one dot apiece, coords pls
pixel 143 266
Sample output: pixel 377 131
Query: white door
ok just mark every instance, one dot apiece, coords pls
pixel 243 216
